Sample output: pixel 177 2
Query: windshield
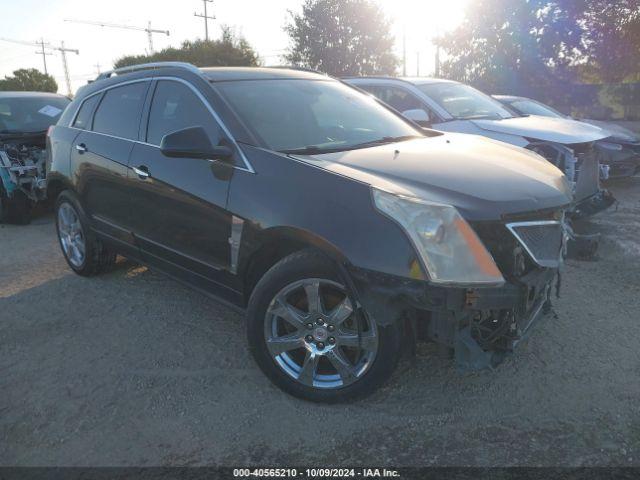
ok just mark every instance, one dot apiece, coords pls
pixel 313 116
pixel 530 107
pixel 464 102
pixel 30 114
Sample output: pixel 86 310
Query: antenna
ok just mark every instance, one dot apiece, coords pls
pixel 147 29
pixel 206 18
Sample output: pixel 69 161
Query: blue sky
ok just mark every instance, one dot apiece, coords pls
pixel 259 21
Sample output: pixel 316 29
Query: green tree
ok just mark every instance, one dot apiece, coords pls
pixel 612 36
pixel 341 37
pixel 230 50
pixel 507 45
pixel 29 80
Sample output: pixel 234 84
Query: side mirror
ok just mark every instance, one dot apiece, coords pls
pixel 419 116
pixel 193 142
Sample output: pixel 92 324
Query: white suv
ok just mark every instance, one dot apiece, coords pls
pixel 454 107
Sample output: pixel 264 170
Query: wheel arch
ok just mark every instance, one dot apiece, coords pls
pixel 56 184
pixel 272 245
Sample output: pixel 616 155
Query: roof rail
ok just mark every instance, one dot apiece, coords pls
pixel 295 67
pixel 149 66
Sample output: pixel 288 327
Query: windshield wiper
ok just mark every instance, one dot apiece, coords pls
pixel 316 149
pixel 310 150
pixel 385 140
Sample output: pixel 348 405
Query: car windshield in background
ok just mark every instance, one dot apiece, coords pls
pixel 463 102
pixel 313 116
pixel 30 114
pixel 529 107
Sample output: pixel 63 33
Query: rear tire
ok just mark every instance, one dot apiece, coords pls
pixel 343 356
pixel 84 253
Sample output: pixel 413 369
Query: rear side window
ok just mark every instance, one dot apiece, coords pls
pixel 83 119
pixel 175 107
pixel 120 109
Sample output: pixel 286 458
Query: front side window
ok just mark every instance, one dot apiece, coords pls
pixel 176 107
pixel 399 98
pixel 120 109
pixel 464 102
pixel 30 114
pixel 312 115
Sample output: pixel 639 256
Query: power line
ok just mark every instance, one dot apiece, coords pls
pixel 206 18
pixel 150 31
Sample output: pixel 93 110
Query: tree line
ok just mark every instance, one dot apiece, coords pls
pixel 501 45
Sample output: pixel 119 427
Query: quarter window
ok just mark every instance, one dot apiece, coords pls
pixel 120 110
pixel 176 107
pixel 83 119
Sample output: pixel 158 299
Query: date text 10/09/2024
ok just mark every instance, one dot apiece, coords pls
pixel 316 473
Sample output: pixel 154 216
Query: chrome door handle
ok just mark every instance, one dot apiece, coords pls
pixel 142 172
pixel 81 148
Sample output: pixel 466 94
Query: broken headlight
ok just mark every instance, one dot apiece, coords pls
pixel 450 250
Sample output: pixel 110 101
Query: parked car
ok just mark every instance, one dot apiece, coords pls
pixel 342 229
pixel 24 120
pixel 454 107
pixel 620 151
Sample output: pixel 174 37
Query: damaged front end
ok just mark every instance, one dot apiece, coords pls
pixel 22 175
pixel 581 165
pixel 480 326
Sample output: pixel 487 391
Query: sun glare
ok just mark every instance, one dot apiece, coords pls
pixel 429 17
pixel 416 23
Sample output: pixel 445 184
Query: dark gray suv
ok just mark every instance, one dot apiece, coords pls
pixel 344 231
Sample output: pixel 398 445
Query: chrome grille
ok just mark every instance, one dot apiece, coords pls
pixel 542 240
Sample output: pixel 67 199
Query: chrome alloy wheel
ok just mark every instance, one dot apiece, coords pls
pixel 314 336
pixel 71 235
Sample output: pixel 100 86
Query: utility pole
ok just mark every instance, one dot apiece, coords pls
pixel 206 18
pixel 63 52
pixel 44 54
pixel 147 29
pixel 417 64
pixel 437 72
pixel 97 65
pixel 404 51
pixel 40 44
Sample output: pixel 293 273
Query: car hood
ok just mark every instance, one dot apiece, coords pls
pixel 483 178
pixel 36 139
pixel 618 133
pixel 548 129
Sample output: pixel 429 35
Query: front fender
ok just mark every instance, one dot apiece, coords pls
pixel 294 198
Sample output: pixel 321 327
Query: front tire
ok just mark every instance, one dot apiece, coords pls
pixel 84 253
pixel 309 339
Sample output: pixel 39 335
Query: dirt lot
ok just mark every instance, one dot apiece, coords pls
pixel 132 368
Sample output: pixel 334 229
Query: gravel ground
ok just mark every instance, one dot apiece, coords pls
pixel 132 368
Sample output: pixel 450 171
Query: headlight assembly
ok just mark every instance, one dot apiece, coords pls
pixel 450 250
